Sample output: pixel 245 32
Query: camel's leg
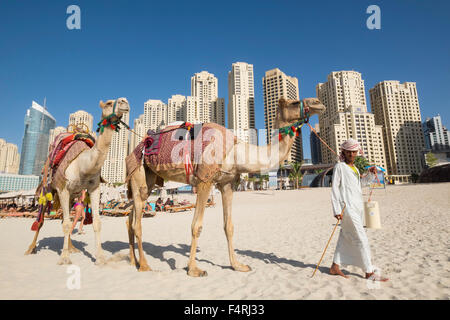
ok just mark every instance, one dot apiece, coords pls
pixel 129 222
pixel 32 247
pixel 140 183
pixel 72 248
pixel 203 190
pixel 95 199
pixel 227 197
pixel 64 197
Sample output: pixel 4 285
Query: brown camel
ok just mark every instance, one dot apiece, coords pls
pixel 236 161
pixel 84 173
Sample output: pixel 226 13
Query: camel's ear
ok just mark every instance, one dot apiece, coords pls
pixel 102 105
pixel 282 102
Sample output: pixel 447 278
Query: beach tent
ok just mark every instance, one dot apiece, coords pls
pixel 11 195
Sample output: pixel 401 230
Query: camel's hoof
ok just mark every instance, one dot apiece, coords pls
pixel 64 260
pixel 144 268
pixel 242 268
pixel 196 272
pixel 100 261
pixel 30 251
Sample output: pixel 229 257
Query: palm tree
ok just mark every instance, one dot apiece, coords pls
pixel 361 163
pixel 296 174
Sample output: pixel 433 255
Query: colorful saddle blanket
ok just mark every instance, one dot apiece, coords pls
pixel 206 146
pixel 65 148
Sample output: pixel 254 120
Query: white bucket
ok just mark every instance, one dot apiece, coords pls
pixel 372 215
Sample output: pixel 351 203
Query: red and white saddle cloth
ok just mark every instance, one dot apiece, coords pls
pixel 198 149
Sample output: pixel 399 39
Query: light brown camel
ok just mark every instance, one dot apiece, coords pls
pixel 84 173
pixel 236 162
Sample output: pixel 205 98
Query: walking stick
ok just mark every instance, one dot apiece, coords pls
pixel 328 242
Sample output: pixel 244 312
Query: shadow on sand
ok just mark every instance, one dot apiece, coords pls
pixel 56 244
pixel 274 259
pixel 157 252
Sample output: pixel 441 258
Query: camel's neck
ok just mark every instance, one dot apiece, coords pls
pixel 97 154
pixel 268 157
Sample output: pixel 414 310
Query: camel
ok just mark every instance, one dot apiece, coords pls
pixel 84 173
pixel 143 179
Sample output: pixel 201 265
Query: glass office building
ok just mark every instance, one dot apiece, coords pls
pixel 38 123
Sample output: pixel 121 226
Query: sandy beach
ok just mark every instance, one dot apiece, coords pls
pixel 280 234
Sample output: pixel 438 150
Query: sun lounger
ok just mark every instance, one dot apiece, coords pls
pixel 179 208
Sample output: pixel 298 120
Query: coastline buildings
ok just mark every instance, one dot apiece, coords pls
pixel 241 102
pixel 155 115
pixel 437 137
pixel 54 133
pixel 396 108
pixel 81 117
pixel 182 108
pixel 204 87
pixel 114 169
pixel 38 123
pixel 140 130
pixel 276 85
pixel 9 157
pixel 314 142
pixel 346 116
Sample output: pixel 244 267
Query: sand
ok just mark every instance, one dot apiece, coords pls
pixel 280 234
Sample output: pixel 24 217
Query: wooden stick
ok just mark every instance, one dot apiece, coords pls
pixel 328 241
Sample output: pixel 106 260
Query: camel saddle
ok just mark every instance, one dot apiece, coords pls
pixel 203 145
pixel 65 148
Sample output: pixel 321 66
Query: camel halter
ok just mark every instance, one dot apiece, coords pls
pixel 113 121
pixel 294 129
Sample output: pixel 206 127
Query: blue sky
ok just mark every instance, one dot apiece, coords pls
pixel 149 50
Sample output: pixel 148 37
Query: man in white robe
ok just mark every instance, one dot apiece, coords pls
pixel 353 246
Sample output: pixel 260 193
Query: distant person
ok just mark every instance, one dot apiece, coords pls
pixel 168 203
pixel 352 246
pixel 79 212
pixel 158 205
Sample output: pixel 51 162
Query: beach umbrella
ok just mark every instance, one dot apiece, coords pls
pixel 378 168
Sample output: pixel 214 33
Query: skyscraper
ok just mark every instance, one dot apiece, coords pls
pixel 114 170
pixel 38 123
pixel 241 102
pixel 81 117
pixel 437 137
pixel 396 108
pixel 204 87
pixel 140 131
pixel 176 108
pixel 346 116
pixel 54 133
pixel 277 85
pixel 9 157
pixel 316 154
pixel 155 115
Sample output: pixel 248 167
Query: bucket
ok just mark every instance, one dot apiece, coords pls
pixel 372 215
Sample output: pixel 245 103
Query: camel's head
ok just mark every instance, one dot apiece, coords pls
pixel 314 106
pixel 290 111
pixel 119 107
